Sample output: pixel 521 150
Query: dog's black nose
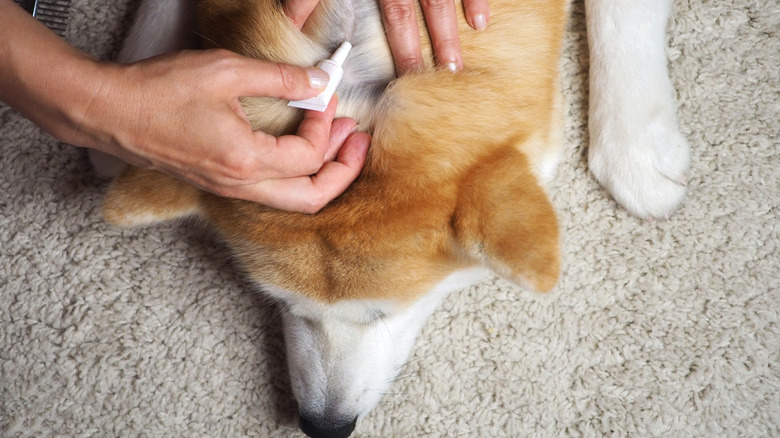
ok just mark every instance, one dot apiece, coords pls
pixel 319 427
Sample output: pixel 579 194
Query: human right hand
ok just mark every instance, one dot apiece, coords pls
pixel 180 113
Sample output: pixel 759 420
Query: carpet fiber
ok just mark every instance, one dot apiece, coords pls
pixel 656 329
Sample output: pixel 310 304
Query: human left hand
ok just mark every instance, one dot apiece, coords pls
pixel 400 19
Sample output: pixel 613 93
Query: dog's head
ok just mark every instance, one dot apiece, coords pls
pixel 357 281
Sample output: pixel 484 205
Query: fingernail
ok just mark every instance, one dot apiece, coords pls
pixel 480 23
pixel 452 66
pixel 318 78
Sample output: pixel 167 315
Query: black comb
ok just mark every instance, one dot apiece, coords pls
pixel 53 13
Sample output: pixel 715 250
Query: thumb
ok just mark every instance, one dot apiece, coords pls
pixel 259 78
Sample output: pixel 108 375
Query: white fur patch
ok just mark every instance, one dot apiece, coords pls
pixel 343 357
pixel 636 149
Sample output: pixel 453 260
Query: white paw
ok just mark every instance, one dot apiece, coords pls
pixel 642 161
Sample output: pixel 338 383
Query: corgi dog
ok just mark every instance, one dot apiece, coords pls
pixel 453 185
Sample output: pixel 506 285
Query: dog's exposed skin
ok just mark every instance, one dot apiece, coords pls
pixel 452 185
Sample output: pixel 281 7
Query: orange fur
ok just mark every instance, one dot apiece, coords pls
pixel 452 178
pixel 139 196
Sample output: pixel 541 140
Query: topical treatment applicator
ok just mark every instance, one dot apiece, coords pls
pixel 333 67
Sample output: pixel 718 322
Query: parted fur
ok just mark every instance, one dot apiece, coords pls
pixel 455 172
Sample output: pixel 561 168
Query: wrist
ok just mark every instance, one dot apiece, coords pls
pixel 89 111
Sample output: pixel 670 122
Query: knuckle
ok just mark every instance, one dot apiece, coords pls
pixel 315 204
pixel 287 77
pixel 312 163
pixel 446 49
pixel 239 166
pixel 224 59
pixel 221 54
pixel 225 65
pixel 398 11
pixel 317 164
pixel 437 6
pixel 408 62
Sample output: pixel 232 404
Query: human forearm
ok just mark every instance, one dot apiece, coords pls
pixel 43 77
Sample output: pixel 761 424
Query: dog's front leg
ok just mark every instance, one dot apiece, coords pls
pixel 636 150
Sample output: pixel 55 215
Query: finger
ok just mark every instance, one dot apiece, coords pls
pixel 302 154
pixel 339 131
pixel 335 176
pixel 442 20
pixel 310 194
pixel 477 13
pixel 253 77
pixel 316 127
pixel 403 35
pixel 299 10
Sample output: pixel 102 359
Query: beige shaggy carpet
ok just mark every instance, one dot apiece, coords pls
pixel 667 329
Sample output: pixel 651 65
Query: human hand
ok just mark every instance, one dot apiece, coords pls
pixel 181 114
pixel 400 19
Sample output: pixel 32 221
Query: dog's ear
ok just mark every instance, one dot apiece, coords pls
pixel 141 196
pixel 505 220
